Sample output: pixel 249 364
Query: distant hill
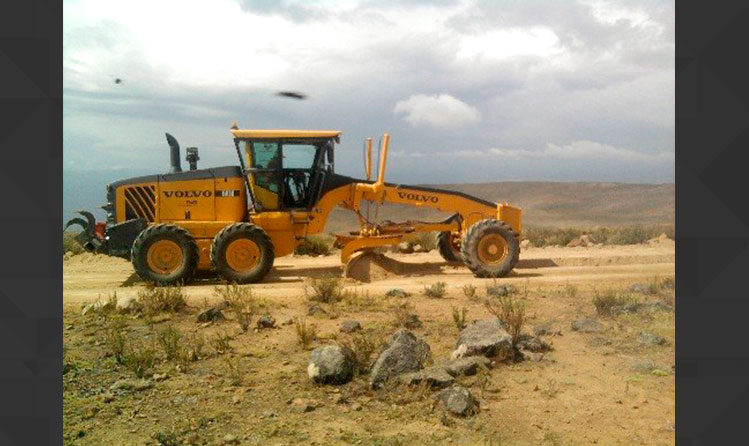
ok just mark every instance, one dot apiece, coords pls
pixel 553 204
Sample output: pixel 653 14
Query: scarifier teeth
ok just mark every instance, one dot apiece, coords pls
pixel 75 221
pixel 91 222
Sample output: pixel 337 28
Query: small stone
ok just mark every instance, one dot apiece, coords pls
pixel 287 321
pixel 128 304
pixel 303 405
pixel 128 384
pixel 397 292
pixel 230 439
pixel 160 376
pixel 648 338
pixel 501 290
pixel 350 326
pixel 268 414
pixel 587 325
pixel 405 248
pixel 532 344
pixel 236 399
pixel 266 321
pixel 212 314
pixel 546 330
pixel 436 377
pixel 315 309
pixel 525 244
pixel 467 366
pixel 459 401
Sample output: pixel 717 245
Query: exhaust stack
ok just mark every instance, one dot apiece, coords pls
pixel 174 154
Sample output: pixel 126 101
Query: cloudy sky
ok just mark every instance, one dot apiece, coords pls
pixel 470 91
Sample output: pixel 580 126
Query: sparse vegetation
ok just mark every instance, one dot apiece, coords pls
pixel 608 302
pixel 511 314
pixel 70 244
pixel 625 235
pixel 427 240
pixel 234 371
pixel 221 343
pixel 402 314
pixel 161 299
pixel 570 290
pixel 459 317
pixel 435 290
pixel 169 339
pixel 315 245
pixel 305 333
pixel 241 303
pixel 469 291
pixel 327 290
pixel 139 358
pixel 115 339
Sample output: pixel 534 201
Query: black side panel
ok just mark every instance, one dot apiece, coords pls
pixel 335 181
pixel 121 236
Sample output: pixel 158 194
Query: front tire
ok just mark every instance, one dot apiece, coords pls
pixel 242 253
pixel 490 248
pixel 165 254
pixel 448 244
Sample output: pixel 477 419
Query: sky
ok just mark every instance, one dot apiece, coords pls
pixel 469 91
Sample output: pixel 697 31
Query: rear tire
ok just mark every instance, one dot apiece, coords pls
pixel 490 248
pixel 446 245
pixel 165 254
pixel 242 253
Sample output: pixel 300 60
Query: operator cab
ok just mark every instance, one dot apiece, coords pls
pixel 285 168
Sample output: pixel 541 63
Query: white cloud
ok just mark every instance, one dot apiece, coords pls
pixel 437 111
pixel 505 43
pixel 583 151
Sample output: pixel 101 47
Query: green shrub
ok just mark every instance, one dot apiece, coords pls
pixel 115 339
pixel 305 334
pixel 139 358
pixel 511 314
pixel 169 338
pixel 469 291
pixel 241 303
pixel 608 302
pixel 459 317
pixel 327 290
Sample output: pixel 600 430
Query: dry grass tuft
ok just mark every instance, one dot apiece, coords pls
pixel 327 290
pixel 436 290
pixel 459 317
pixel 608 302
pixel 305 333
pixel 511 314
pixel 162 299
pixel 241 303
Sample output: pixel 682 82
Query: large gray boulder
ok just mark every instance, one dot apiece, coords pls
pixel 331 364
pixel 405 353
pixel 484 338
pixel 459 401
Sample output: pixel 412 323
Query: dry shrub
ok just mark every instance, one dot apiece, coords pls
pixel 403 315
pixel 235 371
pixel 436 290
pixel 305 333
pixel 139 358
pixel 427 240
pixel 469 291
pixel 221 342
pixel 624 235
pixel 363 347
pixel 158 299
pixel 459 317
pixel 70 244
pixel 241 303
pixel 327 290
pixel 315 245
pixel 511 314
pixel 115 339
pixel 169 338
pixel 608 302
pixel 570 290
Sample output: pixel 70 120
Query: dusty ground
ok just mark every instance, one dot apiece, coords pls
pixel 594 388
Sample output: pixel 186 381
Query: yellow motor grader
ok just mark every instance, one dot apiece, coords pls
pixel 236 220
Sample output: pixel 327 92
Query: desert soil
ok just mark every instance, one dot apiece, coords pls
pixel 603 388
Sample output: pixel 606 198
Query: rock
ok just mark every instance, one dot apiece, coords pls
pixel 303 405
pixel 236 399
pixel 212 314
pixel 287 321
pixel 97 307
pixel 128 304
pixel 648 338
pixel 525 244
pixel 405 248
pixel 485 338
pixel 268 414
pixel 331 364
pixel 315 309
pixel 405 353
pixel 436 377
pixel 584 240
pixel 459 401
pixel 266 321
pixel 419 248
pixel 160 376
pixel 131 384
pixel 350 326
pixel 587 325
pixel 546 330
pixel 467 366
pixel 501 290
pixel 532 344
pixel 230 439
pixel 397 292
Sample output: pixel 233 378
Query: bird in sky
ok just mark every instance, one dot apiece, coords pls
pixel 292 94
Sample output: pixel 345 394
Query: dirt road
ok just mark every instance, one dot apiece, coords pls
pixel 87 277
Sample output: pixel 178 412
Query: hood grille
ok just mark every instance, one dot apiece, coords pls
pixel 140 202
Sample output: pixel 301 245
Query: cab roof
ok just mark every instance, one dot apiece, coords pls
pixel 270 134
